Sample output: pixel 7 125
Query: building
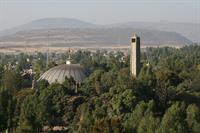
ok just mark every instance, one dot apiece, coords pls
pixel 60 72
pixel 135 55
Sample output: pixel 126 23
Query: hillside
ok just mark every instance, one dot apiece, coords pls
pixel 189 30
pixel 92 37
pixel 48 23
pixel 73 32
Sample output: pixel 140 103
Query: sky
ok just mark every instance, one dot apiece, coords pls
pixel 18 12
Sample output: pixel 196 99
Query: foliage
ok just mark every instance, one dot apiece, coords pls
pixel 164 98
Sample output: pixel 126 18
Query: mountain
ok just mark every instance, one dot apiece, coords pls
pixel 60 37
pixel 73 32
pixel 49 23
pixel 189 30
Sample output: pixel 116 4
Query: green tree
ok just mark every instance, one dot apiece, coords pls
pixel 124 101
pixel 193 118
pixel 28 121
pixel 137 120
pixel 7 107
pixel 107 125
pixel 148 124
pixel 94 81
pixel 12 81
pixel 147 76
pixel 173 120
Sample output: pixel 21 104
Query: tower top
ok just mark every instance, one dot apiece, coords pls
pixel 135 38
pixel 135 35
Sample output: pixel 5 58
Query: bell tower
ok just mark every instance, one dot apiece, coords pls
pixel 135 55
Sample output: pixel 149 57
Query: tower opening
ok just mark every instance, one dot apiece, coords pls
pixel 133 40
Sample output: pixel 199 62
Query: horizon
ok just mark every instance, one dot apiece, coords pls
pixel 120 22
pixel 19 12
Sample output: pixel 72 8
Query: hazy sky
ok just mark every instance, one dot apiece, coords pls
pixel 17 12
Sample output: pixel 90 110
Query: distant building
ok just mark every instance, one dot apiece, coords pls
pixel 135 55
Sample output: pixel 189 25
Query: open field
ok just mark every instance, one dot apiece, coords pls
pixel 31 50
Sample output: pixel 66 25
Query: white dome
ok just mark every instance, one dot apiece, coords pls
pixel 58 73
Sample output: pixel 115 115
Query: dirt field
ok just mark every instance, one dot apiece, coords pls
pixel 31 50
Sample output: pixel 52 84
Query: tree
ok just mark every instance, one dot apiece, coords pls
pixel 147 76
pixel 173 120
pixel 166 77
pixel 107 125
pixel 124 79
pixel 12 81
pixel 148 124
pixel 85 119
pixel 137 120
pixel 29 122
pixel 94 80
pixel 20 96
pixel 124 101
pixel 7 107
pixel 51 103
pixel 70 85
pixel 167 82
pixel 193 118
pixel 108 80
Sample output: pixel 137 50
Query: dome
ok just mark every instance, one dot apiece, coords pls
pixel 58 73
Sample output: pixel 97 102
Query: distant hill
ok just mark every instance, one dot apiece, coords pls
pixel 189 30
pixel 49 23
pixel 73 32
pixel 61 37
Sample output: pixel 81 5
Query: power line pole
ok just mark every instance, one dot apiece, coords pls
pixel 47 61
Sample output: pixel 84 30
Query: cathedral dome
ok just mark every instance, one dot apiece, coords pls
pixel 58 73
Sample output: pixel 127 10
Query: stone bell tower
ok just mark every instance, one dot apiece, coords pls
pixel 135 55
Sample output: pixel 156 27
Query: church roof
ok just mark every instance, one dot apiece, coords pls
pixel 58 73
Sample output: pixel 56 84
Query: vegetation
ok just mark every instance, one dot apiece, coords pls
pixel 165 98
